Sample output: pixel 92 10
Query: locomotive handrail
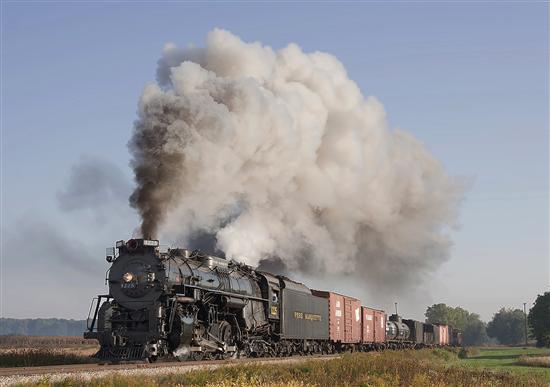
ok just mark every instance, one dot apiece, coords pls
pixel 224 293
pixel 90 328
pixel 98 298
pixel 106 275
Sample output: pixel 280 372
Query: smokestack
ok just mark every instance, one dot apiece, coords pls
pixel 279 154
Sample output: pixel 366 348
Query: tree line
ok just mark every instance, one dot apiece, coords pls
pixel 42 327
pixel 507 326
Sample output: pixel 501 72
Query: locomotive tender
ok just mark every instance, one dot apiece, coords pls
pixel 192 305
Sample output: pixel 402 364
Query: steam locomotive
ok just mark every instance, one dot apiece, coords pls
pixel 192 305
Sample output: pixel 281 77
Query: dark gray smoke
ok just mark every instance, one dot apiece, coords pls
pixel 205 242
pixel 279 154
pixel 41 244
pixel 273 265
pixel 93 183
pixel 157 168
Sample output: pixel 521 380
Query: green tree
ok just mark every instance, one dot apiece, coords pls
pixel 539 319
pixel 443 314
pixel 437 313
pixel 475 333
pixel 454 316
pixel 474 330
pixel 508 326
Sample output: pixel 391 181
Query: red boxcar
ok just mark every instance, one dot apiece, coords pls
pixel 368 325
pixel 374 326
pixel 344 317
pixel 441 334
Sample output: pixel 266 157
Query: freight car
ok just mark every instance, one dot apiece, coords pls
pixel 441 334
pixel 456 337
pixel 344 320
pixel 398 334
pixel 416 335
pixel 192 305
pixel 373 329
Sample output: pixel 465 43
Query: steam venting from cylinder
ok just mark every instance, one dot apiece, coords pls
pixel 277 156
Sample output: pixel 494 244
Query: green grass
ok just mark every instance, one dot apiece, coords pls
pixel 506 358
pixel 391 368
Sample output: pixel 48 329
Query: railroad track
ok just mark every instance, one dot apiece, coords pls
pixel 14 375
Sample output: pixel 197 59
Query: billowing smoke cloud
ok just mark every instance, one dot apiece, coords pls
pixel 280 157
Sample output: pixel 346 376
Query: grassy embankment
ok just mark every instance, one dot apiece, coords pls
pixel 518 360
pixel 29 351
pixel 391 368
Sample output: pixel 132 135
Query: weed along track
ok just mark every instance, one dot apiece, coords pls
pixel 425 367
pixel 85 372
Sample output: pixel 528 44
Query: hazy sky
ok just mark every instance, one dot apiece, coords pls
pixel 469 80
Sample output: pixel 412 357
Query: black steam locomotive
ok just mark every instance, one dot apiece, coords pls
pixel 192 305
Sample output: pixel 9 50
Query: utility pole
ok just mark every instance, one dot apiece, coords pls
pixel 525 315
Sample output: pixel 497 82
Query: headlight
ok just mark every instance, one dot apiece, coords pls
pixel 127 277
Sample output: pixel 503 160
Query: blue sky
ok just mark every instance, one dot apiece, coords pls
pixel 469 80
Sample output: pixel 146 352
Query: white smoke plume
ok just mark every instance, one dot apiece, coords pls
pixel 280 156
